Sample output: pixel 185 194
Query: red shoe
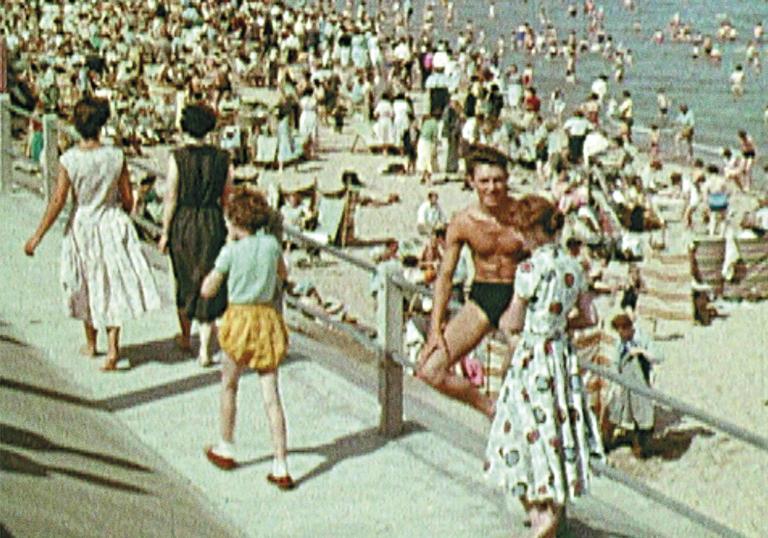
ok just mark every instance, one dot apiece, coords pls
pixel 222 462
pixel 282 482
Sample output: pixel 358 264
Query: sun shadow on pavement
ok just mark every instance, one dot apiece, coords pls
pixel 343 448
pixel 13 462
pixel 164 351
pixel 20 438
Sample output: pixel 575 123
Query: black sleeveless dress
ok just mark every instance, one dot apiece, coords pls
pixel 197 228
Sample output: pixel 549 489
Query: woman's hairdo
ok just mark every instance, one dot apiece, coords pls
pixel 198 120
pixel 248 209
pixel 621 321
pixel 479 154
pixel 536 211
pixel 89 116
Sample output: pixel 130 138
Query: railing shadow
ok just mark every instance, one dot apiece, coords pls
pixel 43 392
pixel 13 462
pixel 350 446
pixel 21 438
pixel 578 529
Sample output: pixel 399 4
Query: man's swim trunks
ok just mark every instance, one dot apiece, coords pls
pixel 492 298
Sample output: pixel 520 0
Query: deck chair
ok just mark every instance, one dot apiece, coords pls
pixel 495 356
pixel 595 346
pixel 751 279
pixel 266 150
pixel 330 217
pixel 365 137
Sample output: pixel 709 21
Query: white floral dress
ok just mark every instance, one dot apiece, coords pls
pixel 105 277
pixel 544 432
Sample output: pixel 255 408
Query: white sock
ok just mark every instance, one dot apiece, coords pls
pixel 225 449
pixel 279 467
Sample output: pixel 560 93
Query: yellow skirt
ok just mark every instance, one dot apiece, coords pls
pixel 254 336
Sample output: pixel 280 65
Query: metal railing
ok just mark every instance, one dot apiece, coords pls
pixel 49 159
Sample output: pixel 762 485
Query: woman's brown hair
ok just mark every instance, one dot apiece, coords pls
pixel 538 211
pixel 89 116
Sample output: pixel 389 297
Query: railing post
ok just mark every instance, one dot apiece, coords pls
pixel 50 160
pixel 389 330
pixel 6 157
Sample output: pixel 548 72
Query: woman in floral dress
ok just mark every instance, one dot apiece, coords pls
pixel 543 432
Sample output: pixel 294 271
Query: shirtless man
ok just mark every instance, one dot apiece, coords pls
pixel 488 227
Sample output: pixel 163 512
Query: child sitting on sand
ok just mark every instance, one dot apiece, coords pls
pixel 253 334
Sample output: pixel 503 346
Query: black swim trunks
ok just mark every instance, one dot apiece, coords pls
pixel 492 298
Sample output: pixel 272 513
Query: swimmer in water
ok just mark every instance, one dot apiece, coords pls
pixel 737 81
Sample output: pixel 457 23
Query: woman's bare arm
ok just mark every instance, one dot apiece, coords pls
pixel 56 204
pixel 170 199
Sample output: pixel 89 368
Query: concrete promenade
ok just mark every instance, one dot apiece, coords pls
pixel 90 454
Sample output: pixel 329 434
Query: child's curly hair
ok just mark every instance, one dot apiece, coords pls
pixel 248 209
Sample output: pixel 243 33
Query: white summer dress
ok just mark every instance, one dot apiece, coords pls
pixel 104 274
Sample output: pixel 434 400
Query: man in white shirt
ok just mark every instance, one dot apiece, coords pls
pixel 576 127
pixel 600 87
pixel 430 215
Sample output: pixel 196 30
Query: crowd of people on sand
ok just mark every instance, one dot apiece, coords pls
pixel 171 73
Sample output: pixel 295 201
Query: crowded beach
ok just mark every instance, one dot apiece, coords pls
pixel 369 128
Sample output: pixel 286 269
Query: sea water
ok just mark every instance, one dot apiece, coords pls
pixel 701 84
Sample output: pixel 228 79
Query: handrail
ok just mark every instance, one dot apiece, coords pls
pixel 23 112
pixel 678 405
pixel 357 262
pixel 664 500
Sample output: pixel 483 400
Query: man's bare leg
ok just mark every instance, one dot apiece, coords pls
pixel 462 334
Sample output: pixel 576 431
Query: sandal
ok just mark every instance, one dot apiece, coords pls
pixel 283 482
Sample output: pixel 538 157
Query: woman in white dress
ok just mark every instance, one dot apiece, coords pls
pixel 104 274
pixel 384 114
pixel 401 110
pixel 308 128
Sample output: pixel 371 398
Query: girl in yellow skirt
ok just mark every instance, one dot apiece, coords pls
pixel 252 333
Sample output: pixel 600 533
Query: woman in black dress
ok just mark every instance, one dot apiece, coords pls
pixel 199 178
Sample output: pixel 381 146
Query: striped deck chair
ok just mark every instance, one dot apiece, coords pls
pixel 595 346
pixel 751 279
pixel 667 281
pixel 494 353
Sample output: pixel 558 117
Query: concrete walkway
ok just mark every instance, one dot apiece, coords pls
pixel 92 454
